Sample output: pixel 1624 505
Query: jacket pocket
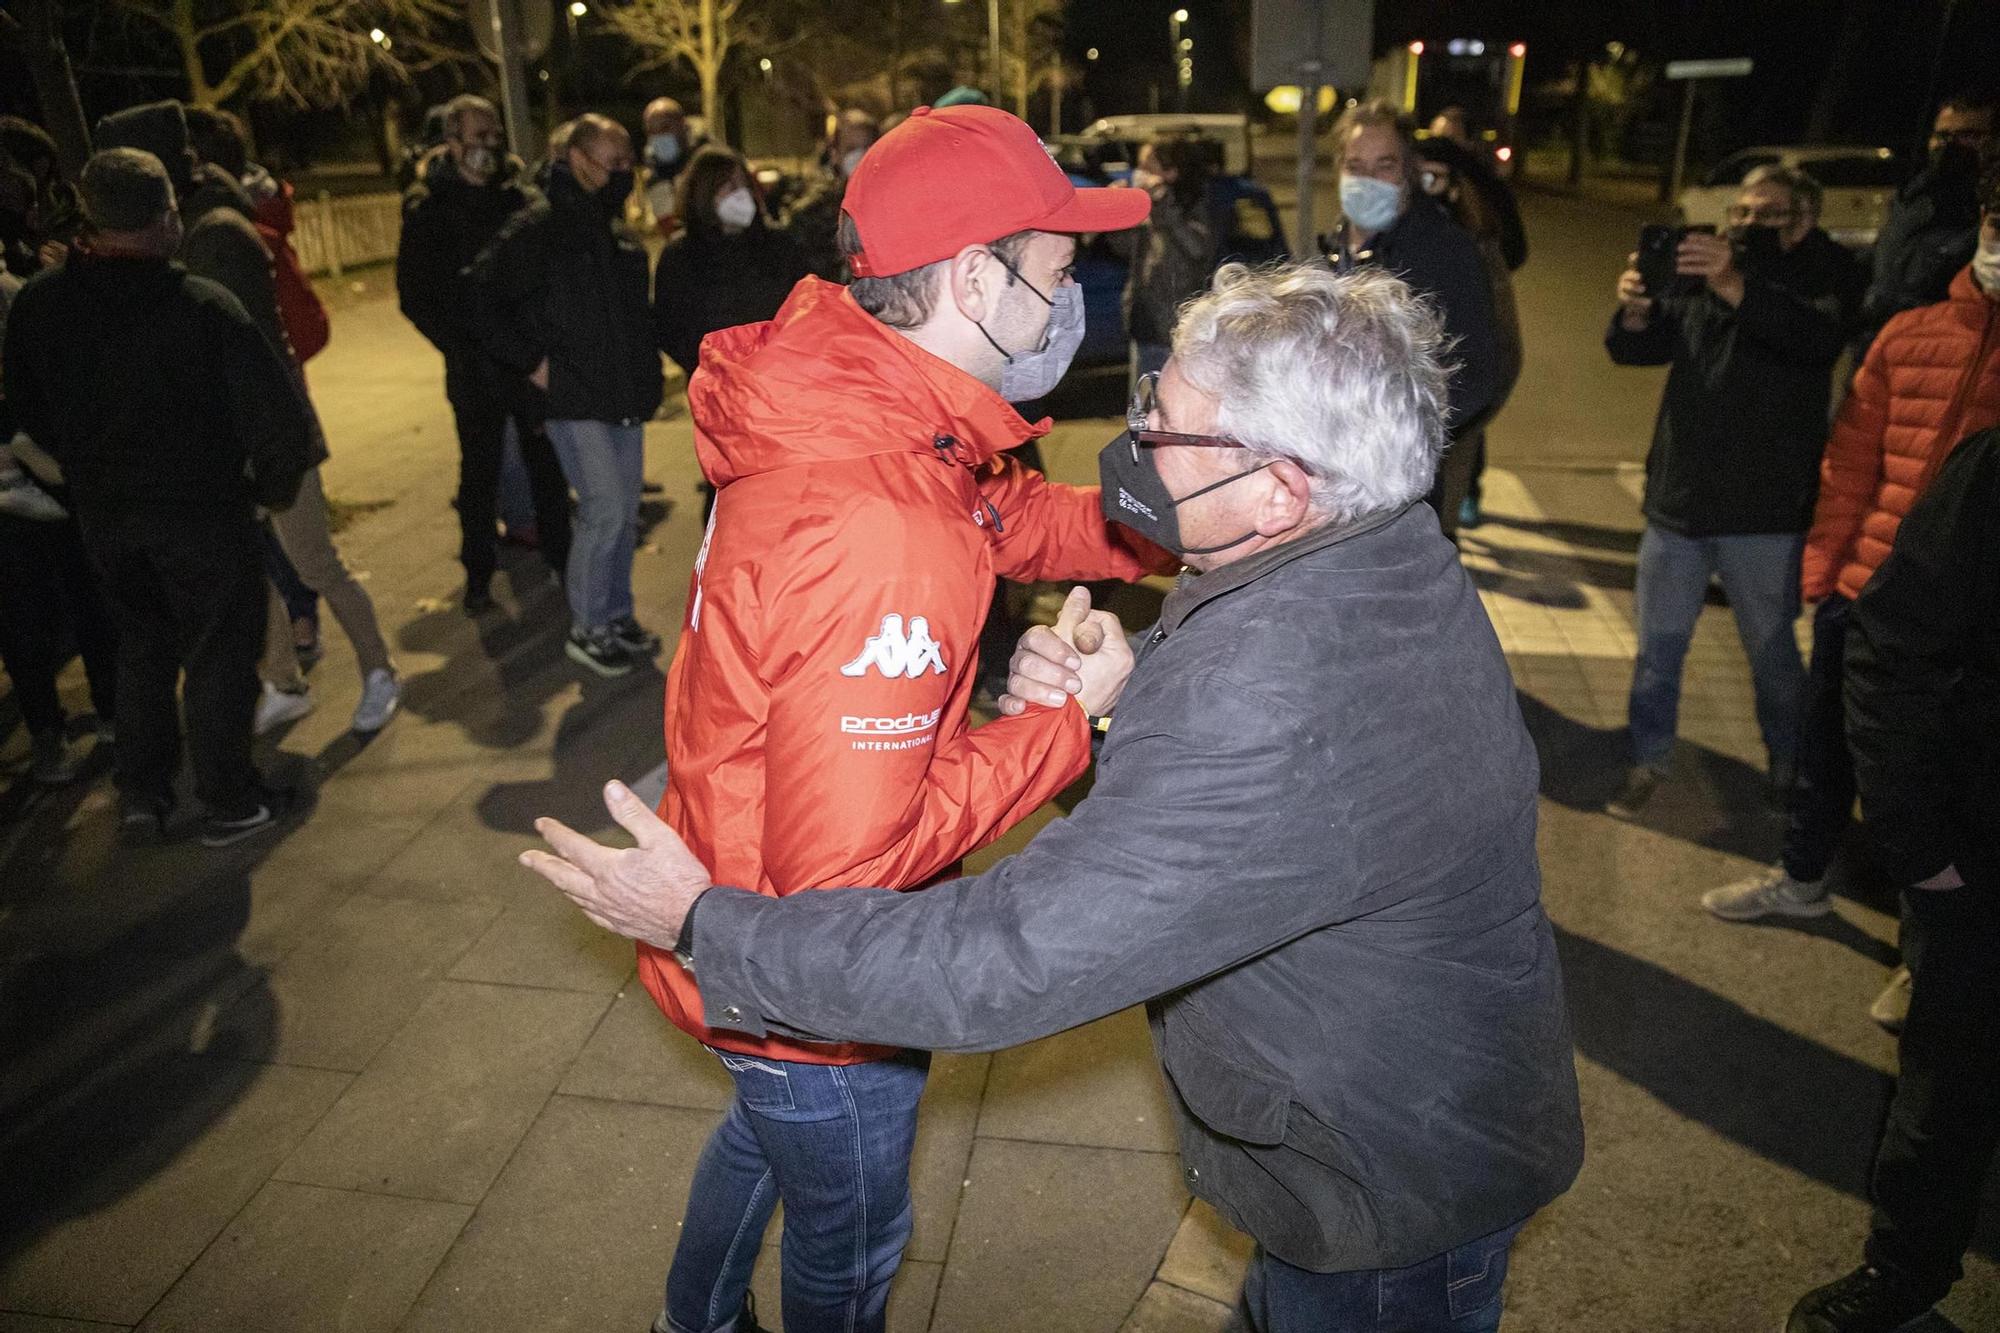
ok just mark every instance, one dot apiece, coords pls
pixel 1246 1104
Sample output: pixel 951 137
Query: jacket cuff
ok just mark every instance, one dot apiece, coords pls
pixel 721 966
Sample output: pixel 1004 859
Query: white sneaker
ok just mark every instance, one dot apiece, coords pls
pixel 1892 1007
pixel 278 707
pixel 21 497
pixel 380 693
pixel 1770 893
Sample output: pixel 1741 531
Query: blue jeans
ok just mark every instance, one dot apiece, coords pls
pixel 605 464
pixel 1454 1292
pixel 1760 572
pixel 833 1141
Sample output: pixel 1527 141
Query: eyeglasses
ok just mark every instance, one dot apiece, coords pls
pixel 1775 217
pixel 1963 138
pixel 1146 401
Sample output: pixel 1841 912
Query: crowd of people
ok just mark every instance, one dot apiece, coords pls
pixel 1300 430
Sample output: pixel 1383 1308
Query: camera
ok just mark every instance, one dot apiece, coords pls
pixel 1658 245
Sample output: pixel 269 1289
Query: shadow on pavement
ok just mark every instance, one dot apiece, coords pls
pixel 1785 1097
pixel 1714 800
pixel 117 965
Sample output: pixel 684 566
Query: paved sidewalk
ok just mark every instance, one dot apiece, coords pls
pixel 370 1075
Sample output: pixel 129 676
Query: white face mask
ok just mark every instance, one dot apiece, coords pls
pixel 1986 267
pixel 481 160
pixel 737 209
pixel 850 159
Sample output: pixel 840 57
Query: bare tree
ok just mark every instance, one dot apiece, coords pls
pixel 699 33
pixel 35 30
pixel 300 52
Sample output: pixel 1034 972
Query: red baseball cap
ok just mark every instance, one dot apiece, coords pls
pixel 950 177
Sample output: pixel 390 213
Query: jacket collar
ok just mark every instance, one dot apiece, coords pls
pixel 1197 590
pixel 824 380
pixel 1968 300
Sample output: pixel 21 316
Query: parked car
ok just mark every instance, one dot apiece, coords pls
pixel 1859 183
pixel 1230 129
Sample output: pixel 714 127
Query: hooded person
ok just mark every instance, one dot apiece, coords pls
pixel 818 703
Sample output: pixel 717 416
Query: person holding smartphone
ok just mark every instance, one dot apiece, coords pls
pixel 1751 330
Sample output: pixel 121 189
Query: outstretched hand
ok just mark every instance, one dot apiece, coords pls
pixel 642 892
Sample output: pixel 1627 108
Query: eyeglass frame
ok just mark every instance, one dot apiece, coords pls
pixel 1145 396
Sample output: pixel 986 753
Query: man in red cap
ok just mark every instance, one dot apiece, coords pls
pixel 816 713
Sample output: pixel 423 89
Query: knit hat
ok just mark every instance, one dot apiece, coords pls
pixel 125 189
pixel 159 128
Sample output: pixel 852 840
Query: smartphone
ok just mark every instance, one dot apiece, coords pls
pixel 1658 247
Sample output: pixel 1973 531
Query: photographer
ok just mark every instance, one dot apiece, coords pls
pixel 1751 324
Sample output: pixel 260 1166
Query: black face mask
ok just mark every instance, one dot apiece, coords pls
pixel 617 190
pixel 1133 494
pixel 1955 162
pixel 1757 247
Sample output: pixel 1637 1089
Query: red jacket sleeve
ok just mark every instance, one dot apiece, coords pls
pixel 299 307
pixel 1849 474
pixel 871 775
pixel 1047 531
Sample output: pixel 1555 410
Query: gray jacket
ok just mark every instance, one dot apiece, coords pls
pixel 1311 850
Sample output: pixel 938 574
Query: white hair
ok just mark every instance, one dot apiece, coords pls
pixel 1340 373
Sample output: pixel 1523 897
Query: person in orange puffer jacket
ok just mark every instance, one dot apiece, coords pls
pixel 817 708
pixel 1931 379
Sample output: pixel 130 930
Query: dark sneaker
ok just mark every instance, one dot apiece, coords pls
pixel 55 761
pixel 1867 1300
pixel 633 637
pixel 222 830
pixel 1641 781
pixel 143 822
pixel 600 652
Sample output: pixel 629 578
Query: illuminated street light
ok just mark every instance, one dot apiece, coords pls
pixel 765 64
pixel 1187 43
pixel 377 36
pixel 1180 16
pixel 1091 54
pixel 577 9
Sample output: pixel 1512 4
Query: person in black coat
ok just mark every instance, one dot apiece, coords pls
pixel 465 193
pixel 726 267
pixel 172 418
pixel 1752 328
pixel 563 295
pixel 1933 223
pixel 1923 721
pixel 1387 220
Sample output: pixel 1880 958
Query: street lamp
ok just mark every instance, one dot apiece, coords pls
pixel 1091 54
pixel 380 38
pixel 1183 64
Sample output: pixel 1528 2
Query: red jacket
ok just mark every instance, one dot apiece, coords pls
pixel 1931 378
pixel 299 306
pixel 816 707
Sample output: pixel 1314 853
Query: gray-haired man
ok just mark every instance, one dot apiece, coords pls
pixel 1331 912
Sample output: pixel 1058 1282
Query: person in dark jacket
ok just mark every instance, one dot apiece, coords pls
pixel 1449 174
pixel 1923 721
pixel 1933 223
pixel 812 219
pixel 726 267
pixel 1475 166
pixel 173 418
pixel 1734 467
pixel 1387 220
pixel 1333 918
pixel 1174 252
pixel 563 297
pixel 465 193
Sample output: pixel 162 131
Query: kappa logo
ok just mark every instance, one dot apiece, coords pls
pixel 896 653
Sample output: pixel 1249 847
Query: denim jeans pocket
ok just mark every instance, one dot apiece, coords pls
pixel 761 1084
pixel 1475 1273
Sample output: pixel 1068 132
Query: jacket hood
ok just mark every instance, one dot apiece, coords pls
pixel 212 188
pixel 273 200
pixel 159 128
pixel 825 381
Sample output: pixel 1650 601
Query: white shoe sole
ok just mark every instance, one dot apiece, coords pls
pixel 1776 906
pixel 605 669
pixel 295 707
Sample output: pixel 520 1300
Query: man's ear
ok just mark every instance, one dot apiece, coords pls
pixel 972 282
pixel 1286 501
